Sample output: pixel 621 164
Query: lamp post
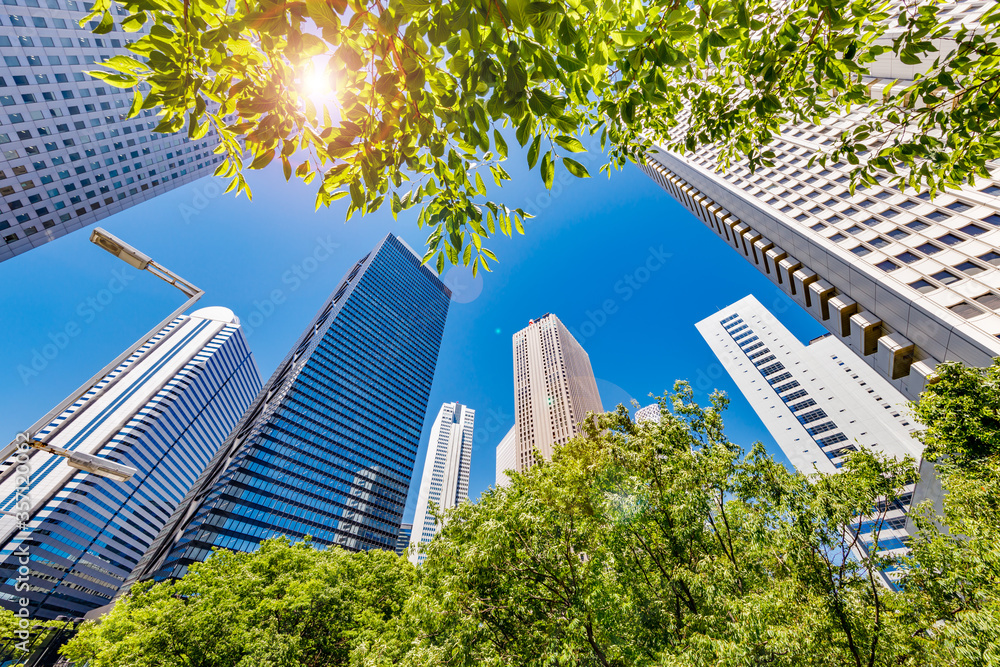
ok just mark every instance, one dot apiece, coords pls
pixel 90 462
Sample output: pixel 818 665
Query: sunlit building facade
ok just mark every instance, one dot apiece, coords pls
pixel 327 449
pixel 445 479
pixel 820 402
pixel 905 280
pixel 71 156
pixel 164 411
pixel 554 388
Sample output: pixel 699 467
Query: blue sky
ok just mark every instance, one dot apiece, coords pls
pixel 620 262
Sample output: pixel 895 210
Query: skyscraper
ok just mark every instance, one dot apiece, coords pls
pixel 820 402
pixel 164 411
pixel 554 388
pixel 650 413
pixel 506 456
pixel 445 480
pixel 327 448
pixel 71 156
pixel 905 280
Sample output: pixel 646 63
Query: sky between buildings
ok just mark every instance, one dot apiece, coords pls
pixel 624 266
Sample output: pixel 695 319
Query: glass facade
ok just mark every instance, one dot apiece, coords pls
pixel 328 448
pixel 165 411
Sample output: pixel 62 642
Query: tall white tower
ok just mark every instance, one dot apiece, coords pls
pixel 554 388
pixel 820 402
pixel 445 481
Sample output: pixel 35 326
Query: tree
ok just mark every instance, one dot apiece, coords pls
pixel 959 572
pixel 428 94
pixel 284 605
pixel 661 544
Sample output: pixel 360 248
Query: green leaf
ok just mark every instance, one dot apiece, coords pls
pixel 500 144
pixel 548 170
pixel 533 151
pixel 575 168
pixel 571 144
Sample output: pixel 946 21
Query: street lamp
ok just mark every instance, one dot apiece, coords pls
pixel 81 460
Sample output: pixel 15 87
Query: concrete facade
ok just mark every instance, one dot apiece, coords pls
pixel 71 156
pixel 554 388
pixel 905 280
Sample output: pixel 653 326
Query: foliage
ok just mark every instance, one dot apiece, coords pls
pixel 959 573
pixel 429 94
pixel 284 605
pixel 638 544
pixel 659 544
pixel 962 413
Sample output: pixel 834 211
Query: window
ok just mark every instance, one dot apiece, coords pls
pixel 11 61
pixel 966 310
pixel 970 268
pixel 990 300
pixel 898 233
pixel 945 277
pixel 888 266
pixel 923 286
pixel 973 230
pixel 950 239
pixel 959 206
pixel 991 258
pixel 878 242
pixel 917 225
pixel 993 219
pixel 837 237
pixel 17 21
pixel 907 257
pixel 928 248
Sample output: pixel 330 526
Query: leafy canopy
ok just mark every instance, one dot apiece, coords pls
pixel 428 95
pixel 284 605
pixel 654 544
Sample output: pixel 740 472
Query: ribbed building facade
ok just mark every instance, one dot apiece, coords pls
pixel 71 155
pixel 403 539
pixel 554 388
pixel 905 280
pixel 164 411
pixel 445 479
pixel 820 402
pixel 650 413
pixel 327 449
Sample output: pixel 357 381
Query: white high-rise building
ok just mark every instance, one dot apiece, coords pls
pixel 905 280
pixel 164 411
pixel 506 456
pixel 71 155
pixel 650 413
pixel 445 480
pixel 819 402
pixel 554 388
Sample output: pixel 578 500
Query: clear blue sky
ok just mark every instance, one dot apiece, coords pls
pixel 589 241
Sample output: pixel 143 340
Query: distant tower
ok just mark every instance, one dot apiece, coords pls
pixel 506 456
pixel 554 388
pixel 445 480
pixel 327 448
pixel 165 411
pixel 650 413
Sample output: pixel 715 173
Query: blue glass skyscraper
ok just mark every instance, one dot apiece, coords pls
pixel 165 411
pixel 327 449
